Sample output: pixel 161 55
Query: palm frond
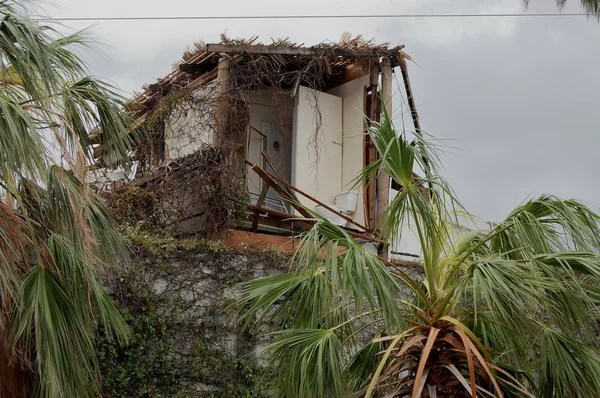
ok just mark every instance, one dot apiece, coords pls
pixel 54 234
pixel 490 303
pixel 312 363
pixel 591 7
pixel 567 367
pixel 61 339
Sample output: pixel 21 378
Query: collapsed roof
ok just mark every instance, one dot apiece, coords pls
pixel 199 65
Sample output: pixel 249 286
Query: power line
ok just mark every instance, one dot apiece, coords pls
pixel 350 16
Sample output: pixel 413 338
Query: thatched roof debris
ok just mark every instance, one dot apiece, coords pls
pixel 198 64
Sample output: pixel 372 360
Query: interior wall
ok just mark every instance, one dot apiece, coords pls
pixel 271 122
pixel 189 127
pixel 317 172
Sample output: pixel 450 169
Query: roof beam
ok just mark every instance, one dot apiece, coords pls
pixel 307 51
pixel 197 68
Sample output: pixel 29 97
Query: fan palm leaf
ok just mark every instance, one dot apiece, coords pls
pixel 487 305
pixel 55 235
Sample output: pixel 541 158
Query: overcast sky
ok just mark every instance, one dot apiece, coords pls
pixel 516 99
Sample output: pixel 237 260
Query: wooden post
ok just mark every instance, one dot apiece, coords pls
pixel 223 74
pixel 383 180
pixel 222 106
pixel 370 153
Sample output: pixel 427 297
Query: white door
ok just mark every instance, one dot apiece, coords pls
pixel 317 145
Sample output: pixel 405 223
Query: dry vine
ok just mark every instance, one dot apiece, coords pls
pixel 187 124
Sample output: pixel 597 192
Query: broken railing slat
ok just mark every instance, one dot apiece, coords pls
pixel 275 183
pixel 337 213
pixel 270 162
pixel 307 223
pixel 259 203
pixel 280 190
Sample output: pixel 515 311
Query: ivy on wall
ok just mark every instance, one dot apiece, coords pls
pixel 176 295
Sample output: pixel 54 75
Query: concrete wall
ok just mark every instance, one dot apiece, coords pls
pixel 190 125
pixel 190 291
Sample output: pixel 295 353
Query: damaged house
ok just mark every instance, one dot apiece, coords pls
pixel 268 132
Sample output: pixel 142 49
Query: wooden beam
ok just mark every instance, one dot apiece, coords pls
pixel 370 153
pixel 308 223
pixel 306 51
pixel 383 179
pixel 271 180
pixel 259 203
pixel 409 92
pixel 197 68
pixel 270 163
pixel 276 181
pixel 402 57
pixel 305 224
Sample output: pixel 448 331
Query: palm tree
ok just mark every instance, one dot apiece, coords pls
pixel 55 235
pixel 509 312
pixel 591 7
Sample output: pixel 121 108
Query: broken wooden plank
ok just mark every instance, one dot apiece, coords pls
pixel 306 51
pixel 259 203
pixel 383 178
pixel 264 174
pixel 271 179
pixel 197 68
pixel 308 223
pixel 305 223
pixel 370 153
pixel 270 162
pixel 409 92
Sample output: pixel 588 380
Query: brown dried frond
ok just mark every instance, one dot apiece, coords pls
pixel 13 235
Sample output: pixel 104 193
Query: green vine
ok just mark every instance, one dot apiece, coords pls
pixel 176 296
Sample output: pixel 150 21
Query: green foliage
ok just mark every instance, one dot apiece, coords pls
pixel 509 312
pixel 161 207
pixel 144 367
pixel 55 235
pixel 163 244
pixel 136 208
pixel 590 7
pixel 173 298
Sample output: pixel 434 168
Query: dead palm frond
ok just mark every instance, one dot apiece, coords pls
pixel 55 235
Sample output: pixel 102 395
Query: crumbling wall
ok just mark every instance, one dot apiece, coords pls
pixel 178 297
pixel 190 124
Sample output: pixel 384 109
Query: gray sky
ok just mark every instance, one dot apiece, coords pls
pixel 516 100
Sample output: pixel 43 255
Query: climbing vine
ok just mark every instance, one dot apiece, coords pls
pixel 177 296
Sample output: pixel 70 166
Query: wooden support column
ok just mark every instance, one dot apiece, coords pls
pixel 370 153
pixel 383 180
pixel 223 74
pixel 222 108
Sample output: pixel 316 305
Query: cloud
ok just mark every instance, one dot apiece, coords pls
pixel 518 96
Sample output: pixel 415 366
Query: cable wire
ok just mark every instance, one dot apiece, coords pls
pixel 350 16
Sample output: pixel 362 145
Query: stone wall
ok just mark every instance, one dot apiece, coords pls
pixel 178 296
